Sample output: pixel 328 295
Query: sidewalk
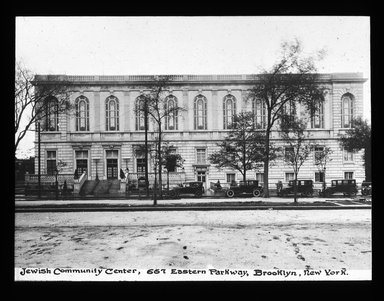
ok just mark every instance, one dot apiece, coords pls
pixel 205 203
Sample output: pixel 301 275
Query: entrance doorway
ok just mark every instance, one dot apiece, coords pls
pixel 112 170
pixel 82 165
pixel 82 162
pixel 112 164
pixel 201 177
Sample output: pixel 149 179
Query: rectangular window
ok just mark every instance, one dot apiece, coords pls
pixel 81 161
pixel 140 164
pixel 319 177
pixel 348 156
pixel 317 117
pixel 318 153
pixel 348 175
pixel 289 176
pixel 51 162
pixel 112 154
pixel 200 156
pixel 260 177
pixel 289 152
pixel 231 177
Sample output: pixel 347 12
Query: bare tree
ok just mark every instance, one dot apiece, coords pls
pixel 298 147
pixel 292 80
pixel 159 109
pixel 37 102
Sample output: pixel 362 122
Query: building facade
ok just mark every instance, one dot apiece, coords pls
pixel 103 135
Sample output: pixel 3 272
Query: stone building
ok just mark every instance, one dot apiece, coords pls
pixel 102 137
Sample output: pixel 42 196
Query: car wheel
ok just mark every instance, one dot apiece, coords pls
pixel 172 193
pixel 256 192
pixel 230 193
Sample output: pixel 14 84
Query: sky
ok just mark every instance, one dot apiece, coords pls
pixel 186 45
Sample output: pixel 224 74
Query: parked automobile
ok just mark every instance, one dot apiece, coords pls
pixel 304 187
pixel 195 188
pixel 366 188
pixel 244 187
pixel 347 187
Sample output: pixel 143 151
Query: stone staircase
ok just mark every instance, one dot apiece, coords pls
pixel 115 187
pixel 102 187
pixel 88 187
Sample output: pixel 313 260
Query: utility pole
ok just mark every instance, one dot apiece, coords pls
pixel 38 160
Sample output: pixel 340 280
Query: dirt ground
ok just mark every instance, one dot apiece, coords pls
pixel 272 239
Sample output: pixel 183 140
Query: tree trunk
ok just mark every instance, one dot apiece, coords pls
pixel 167 180
pixel 146 149
pixel 266 165
pixel 295 188
pixel 159 158
pixel 367 164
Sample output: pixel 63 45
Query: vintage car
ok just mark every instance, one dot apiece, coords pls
pixel 304 187
pixel 347 187
pixel 195 188
pixel 366 188
pixel 244 187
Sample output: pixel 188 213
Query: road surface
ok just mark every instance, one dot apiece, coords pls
pixel 271 239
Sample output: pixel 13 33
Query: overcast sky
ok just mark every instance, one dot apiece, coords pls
pixel 186 45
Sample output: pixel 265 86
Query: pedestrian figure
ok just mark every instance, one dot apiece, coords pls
pixel 218 185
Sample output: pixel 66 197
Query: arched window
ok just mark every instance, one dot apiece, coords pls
pixel 82 113
pixel 289 111
pixel 229 110
pixel 317 116
pixel 171 120
pixel 346 110
pixel 200 113
pixel 112 114
pixel 139 109
pixel 51 114
pixel 258 108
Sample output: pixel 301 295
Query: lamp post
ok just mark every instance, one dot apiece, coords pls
pixel 324 184
pixel 97 175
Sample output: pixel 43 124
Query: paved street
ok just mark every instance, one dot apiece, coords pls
pixel 266 239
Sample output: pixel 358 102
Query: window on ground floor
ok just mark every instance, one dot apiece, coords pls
pixel 348 175
pixel 289 176
pixel 260 177
pixel 319 177
pixel 51 162
pixel 231 177
pixel 140 164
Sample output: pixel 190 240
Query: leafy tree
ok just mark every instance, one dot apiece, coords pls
pixel 33 101
pixel 292 80
pixel 358 138
pixel 154 105
pixel 298 147
pixel 242 148
pixel 171 160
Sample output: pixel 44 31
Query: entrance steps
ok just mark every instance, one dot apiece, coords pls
pixel 88 187
pixel 115 187
pixel 102 187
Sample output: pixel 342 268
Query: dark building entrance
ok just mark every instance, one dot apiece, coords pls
pixel 112 170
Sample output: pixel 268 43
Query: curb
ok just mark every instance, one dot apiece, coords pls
pixel 180 208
